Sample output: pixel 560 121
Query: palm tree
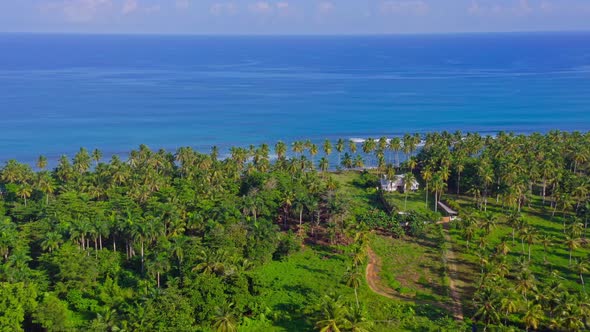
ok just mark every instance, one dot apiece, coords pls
pixel 513 220
pixel 352 146
pixel 96 156
pixel 51 242
pixel 353 279
pixel 24 191
pixel 356 320
pixel 525 281
pixel 486 302
pixel 503 248
pixel 333 316
pixel 324 164
pixel 530 236
pixel 533 316
pixel 395 144
pixel 438 186
pixel 313 150
pixel 546 240
pixel 369 146
pixel 347 161
pixel 427 177
pixel 358 161
pixel 488 222
pixel 298 147
pixel 46 185
pixel 225 320
pixel 572 244
pixel 508 305
pixel 41 162
pixel 339 148
pixel 327 147
pixel 581 268
pixel 468 233
pixel 409 180
pixel 82 161
pixel 158 265
pixel 300 204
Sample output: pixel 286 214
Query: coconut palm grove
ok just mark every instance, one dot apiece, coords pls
pixel 299 236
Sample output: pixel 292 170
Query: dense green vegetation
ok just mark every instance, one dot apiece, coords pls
pixel 190 242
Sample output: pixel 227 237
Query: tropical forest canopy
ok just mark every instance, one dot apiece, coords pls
pixel 187 241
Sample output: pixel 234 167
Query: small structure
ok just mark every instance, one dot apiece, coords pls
pixel 397 184
pixel 449 213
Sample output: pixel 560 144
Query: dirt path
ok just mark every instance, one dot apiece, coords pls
pixel 377 286
pixel 373 279
pixel 451 259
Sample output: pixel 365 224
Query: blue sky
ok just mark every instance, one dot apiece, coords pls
pixel 292 16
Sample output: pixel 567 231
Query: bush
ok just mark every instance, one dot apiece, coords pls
pixel 288 244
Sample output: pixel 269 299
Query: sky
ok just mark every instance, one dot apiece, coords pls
pixel 292 16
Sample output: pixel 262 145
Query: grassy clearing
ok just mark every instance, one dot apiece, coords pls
pixel 413 267
pixel 290 287
pixel 416 201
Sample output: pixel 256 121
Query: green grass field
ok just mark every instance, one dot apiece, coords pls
pixel 413 267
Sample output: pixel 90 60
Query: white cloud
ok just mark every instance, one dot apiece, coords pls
pixel 182 4
pixel 326 7
pixel 129 6
pixel 516 8
pixel 282 5
pixel 223 8
pixel 77 11
pixel 412 7
pixel 152 9
pixel 260 7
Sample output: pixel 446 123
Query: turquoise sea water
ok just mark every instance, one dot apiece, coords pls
pixel 60 92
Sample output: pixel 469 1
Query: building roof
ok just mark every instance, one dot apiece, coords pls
pixel 447 209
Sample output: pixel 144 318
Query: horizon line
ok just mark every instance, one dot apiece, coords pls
pixel 368 34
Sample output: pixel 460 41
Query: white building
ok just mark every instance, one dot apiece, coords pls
pixel 397 184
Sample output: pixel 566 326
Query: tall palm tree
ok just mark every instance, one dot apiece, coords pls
pixel 408 182
pixel 571 243
pixel 486 303
pixel 333 315
pixel 298 147
pixel 508 306
pixel 352 146
pixel 339 148
pixel 313 151
pixel 25 191
pixel 395 144
pixel 51 241
pixel 224 320
pixel 157 266
pixel 353 279
pixel 96 156
pixel 82 161
pixel 488 222
pixel 438 186
pixel 356 320
pixel 41 162
pixel 327 147
pixel 530 236
pixel 533 315
pixel 545 240
pixel 581 268
pixel 324 164
pixel 427 177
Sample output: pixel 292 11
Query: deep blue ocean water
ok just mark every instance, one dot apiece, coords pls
pixel 61 92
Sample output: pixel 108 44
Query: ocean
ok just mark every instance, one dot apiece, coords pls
pixel 114 92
